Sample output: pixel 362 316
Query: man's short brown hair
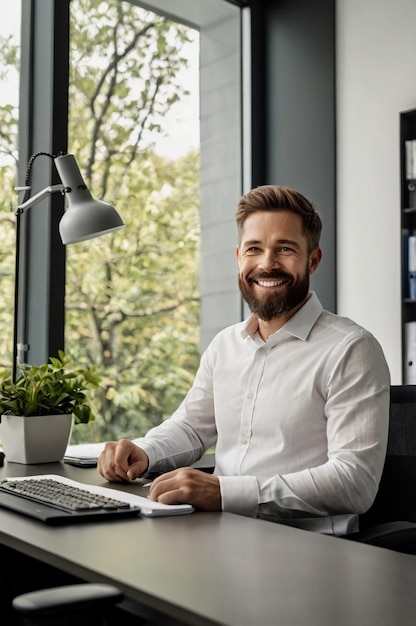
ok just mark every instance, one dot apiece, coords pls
pixel 278 198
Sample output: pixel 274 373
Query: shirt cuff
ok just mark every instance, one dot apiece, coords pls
pixel 149 450
pixel 239 494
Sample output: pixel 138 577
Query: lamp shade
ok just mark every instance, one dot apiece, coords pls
pixel 85 217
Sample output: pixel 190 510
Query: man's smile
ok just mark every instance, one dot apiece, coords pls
pixel 271 283
pixel 274 280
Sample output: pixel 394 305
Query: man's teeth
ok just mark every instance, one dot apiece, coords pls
pixel 270 283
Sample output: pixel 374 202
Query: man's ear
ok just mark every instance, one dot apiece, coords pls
pixel 237 254
pixel 314 259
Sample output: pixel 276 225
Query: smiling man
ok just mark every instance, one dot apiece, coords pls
pixel 275 262
pixel 296 398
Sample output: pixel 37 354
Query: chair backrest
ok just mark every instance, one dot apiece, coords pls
pixel 396 497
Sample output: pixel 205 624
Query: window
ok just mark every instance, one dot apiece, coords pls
pixel 132 299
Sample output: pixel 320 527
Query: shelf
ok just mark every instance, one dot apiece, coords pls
pixel 408 229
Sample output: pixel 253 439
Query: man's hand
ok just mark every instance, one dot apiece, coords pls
pixel 187 486
pixel 122 461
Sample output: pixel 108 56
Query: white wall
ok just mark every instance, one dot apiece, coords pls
pixel 376 79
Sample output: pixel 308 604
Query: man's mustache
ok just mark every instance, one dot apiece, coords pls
pixel 273 275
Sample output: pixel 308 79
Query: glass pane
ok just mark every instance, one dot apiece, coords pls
pixel 132 302
pixel 9 114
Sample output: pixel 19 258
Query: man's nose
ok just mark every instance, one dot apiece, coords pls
pixel 269 260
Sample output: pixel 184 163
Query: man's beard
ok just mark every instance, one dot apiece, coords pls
pixel 274 305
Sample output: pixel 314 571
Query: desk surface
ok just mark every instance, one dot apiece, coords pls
pixel 218 568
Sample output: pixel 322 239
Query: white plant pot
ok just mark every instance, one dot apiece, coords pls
pixel 35 439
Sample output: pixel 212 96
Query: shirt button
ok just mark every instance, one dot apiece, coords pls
pixel 250 396
pixel 244 442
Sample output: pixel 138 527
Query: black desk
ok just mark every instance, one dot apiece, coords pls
pixel 216 568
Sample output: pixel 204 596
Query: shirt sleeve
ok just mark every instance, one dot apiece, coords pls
pixel 183 438
pixel 357 412
pixel 171 444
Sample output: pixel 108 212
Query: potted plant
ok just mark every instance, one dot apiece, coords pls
pixel 37 411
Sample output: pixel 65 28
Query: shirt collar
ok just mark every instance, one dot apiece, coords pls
pixel 300 325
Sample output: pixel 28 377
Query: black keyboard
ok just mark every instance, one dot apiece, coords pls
pixel 55 502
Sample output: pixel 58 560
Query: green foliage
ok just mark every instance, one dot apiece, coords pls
pixel 133 310
pixel 9 63
pixel 53 388
pixel 126 66
pixel 8 156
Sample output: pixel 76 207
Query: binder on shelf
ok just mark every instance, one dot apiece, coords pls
pixel 411 267
pixel 412 254
pixel 410 151
pixel 405 264
pixel 412 286
pixel 409 373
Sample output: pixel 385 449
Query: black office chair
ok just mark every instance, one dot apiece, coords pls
pixel 391 520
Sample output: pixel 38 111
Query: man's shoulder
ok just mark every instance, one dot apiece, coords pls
pixel 237 329
pixel 231 333
pixel 339 324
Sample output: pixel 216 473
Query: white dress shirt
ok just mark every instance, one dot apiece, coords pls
pixel 300 421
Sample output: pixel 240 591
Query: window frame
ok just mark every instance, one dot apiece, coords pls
pixel 43 111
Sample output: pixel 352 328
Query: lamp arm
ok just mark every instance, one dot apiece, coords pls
pixel 18 212
pixel 38 197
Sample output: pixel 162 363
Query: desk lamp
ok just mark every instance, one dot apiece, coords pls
pixel 84 219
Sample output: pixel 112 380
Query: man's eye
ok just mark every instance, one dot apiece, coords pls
pixel 252 250
pixel 285 249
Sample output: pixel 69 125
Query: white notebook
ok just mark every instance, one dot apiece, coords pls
pixel 83 454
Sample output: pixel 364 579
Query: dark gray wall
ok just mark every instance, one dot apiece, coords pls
pixel 293 57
